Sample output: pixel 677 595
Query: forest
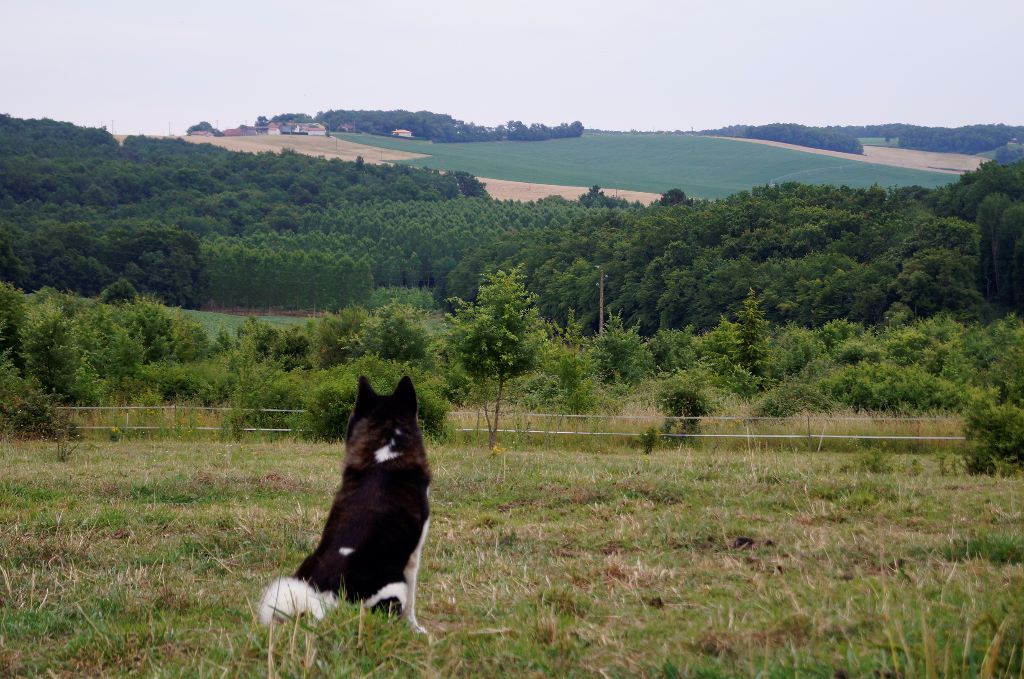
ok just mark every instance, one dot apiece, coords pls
pixel 792 133
pixel 194 225
pixel 441 127
pixel 969 139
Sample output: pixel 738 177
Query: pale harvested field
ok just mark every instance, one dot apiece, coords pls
pixel 946 163
pixel 504 189
pixel 327 147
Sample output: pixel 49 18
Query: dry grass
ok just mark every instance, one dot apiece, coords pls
pixel 325 147
pixel 946 163
pixel 147 557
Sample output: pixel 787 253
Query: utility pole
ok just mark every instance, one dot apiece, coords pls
pixel 600 300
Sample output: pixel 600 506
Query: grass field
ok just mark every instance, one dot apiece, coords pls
pixel 147 557
pixel 213 321
pixel 893 142
pixel 701 166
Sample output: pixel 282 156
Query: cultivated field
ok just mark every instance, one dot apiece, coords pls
pixel 334 147
pixel 147 557
pixel 708 167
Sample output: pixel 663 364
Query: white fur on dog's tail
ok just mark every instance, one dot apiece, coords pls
pixel 287 597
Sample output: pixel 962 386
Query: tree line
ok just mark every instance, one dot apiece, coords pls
pixel 61 349
pixel 968 139
pixel 792 133
pixel 441 127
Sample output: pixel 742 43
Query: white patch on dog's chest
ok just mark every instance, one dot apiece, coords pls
pixel 385 453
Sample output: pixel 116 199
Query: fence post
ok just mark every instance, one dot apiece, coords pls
pixel 810 441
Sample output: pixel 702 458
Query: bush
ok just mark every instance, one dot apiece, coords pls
pixel 892 388
pixel 673 349
pixel 331 402
pixel 791 397
pixel 396 332
pixel 683 395
pixel 27 412
pixel 621 355
pixel 997 433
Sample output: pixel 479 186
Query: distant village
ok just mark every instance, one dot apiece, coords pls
pixel 309 129
pixel 297 128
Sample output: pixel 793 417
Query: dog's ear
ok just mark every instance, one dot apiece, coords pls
pixel 405 395
pixel 366 399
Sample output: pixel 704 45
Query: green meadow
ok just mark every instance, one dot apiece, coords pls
pixel 147 557
pixel 702 166
pixel 214 321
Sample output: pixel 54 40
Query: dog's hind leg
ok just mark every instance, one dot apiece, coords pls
pixel 411 572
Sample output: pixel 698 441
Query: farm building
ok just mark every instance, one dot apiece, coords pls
pixel 401 133
pixel 312 129
pixel 200 133
pixel 274 128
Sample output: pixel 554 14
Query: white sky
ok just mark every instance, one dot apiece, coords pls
pixel 635 64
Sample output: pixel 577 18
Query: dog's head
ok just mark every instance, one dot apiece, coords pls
pixel 383 428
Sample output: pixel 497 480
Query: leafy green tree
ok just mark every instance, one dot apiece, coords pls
pixel 621 354
pixel 337 338
pixel 496 339
pixel 397 332
pixel 12 318
pixel 50 350
pixel 674 197
pixel 119 291
pixel 753 335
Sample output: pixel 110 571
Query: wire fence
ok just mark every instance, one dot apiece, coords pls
pixel 815 430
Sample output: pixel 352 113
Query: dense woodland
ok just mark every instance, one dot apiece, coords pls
pixel 792 133
pixel 195 225
pixel 441 127
pixel 968 139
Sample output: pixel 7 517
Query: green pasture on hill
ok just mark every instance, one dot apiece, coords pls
pixel 702 166
pixel 879 141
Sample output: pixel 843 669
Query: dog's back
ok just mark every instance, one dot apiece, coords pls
pixel 371 544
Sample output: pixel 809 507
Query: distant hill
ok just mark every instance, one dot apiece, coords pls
pixel 441 127
pixel 703 167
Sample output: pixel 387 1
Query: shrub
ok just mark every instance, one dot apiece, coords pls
pixel 892 388
pixel 673 349
pixel 791 397
pixel 620 354
pixel 793 349
pixel 397 332
pixel 997 433
pixel 27 412
pixel 330 403
pixel 683 395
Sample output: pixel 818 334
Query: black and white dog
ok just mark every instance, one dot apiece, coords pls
pixel 370 548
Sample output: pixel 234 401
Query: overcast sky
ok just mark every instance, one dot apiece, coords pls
pixel 633 64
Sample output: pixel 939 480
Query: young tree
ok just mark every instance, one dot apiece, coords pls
pixel 496 339
pixel 753 335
